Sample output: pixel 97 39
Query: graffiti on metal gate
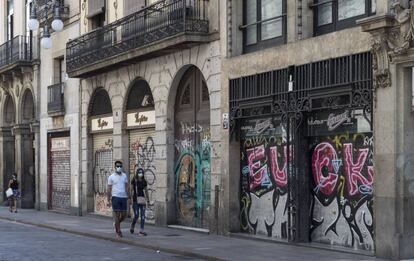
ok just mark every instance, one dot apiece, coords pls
pixel 264 179
pixel 102 170
pixel 343 176
pixel 192 174
pixel 142 155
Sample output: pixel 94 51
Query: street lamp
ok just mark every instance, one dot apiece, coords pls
pixel 57 23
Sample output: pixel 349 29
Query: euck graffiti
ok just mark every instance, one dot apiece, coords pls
pixel 343 176
pixel 264 183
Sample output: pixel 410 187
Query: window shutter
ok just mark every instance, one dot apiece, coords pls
pixel 95 7
pixel 132 6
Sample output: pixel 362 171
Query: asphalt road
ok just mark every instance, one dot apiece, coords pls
pixel 20 242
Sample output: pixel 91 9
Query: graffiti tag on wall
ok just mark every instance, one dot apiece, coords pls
pixel 142 155
pixel 264 181
pixel 102 170
pixel 192 174
pixel 343 176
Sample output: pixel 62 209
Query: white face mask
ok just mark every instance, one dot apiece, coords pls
pixel 140 175
pixel 119 169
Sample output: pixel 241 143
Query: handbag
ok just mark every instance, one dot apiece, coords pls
pixel 141 200
pixel 9 192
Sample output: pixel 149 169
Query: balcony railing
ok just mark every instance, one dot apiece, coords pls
pixel 154 23
pixel 56 103
pixel 45 9
pixel 15 51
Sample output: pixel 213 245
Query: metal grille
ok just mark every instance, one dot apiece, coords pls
pixel 289 94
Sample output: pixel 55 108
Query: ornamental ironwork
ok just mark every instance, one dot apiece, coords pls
pixel 149 25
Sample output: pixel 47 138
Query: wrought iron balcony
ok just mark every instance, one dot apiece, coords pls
pixel 173 23
pixel 55 99
pixel 16 52
pixel 46 9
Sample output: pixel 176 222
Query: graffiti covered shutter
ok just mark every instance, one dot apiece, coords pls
pixel 102 169
pixel 142 155
pixel 60 174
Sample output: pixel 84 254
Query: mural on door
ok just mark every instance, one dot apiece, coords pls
pixel 192 151
pixel 264 178
pixel 342 190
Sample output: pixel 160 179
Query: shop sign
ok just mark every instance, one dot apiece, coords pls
pixel 257 127
pixel 104 123
pixel 59 144
pixel 333 121
pixel 142 118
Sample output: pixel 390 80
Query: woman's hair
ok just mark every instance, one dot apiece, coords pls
pixel 140 170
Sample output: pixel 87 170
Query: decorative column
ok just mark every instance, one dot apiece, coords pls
pixel 393 59
pixel 35 130
pixel 25 164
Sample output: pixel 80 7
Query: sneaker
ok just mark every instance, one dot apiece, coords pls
pixel 131 230
pixel 142 233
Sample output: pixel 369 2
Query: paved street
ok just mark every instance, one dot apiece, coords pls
pixel 21 242
pixel 85 242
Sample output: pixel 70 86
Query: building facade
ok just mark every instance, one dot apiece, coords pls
pixel 19 67
pixel 303 85
pixel 151 96
pixel 290 120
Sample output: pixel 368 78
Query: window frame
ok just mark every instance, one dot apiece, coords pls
pixel 263 44
pixel 337 25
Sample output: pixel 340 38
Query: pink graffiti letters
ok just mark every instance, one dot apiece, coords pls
pixel 356 182
pixel 257 170
pixel 279 174
pixel 323 169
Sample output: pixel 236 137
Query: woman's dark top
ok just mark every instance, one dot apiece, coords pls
pixel 14 185
pixel 138 186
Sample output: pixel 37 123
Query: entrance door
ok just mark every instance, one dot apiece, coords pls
pixel 192 150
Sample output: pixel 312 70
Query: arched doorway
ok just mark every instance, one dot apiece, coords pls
pixel 192 150
pixel 101 129
pixel 25 166
pixel 140 123
pixel 7 143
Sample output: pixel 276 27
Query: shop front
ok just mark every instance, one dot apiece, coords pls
pixel 306 152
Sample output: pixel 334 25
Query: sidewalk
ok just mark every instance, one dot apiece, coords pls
pixel 187 243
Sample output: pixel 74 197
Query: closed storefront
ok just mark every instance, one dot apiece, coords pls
pixel 140 122
pixel 101 124
pixel 102 169
pixel 306 152
pixel 59 177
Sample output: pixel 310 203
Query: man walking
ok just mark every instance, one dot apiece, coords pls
pixel 118 195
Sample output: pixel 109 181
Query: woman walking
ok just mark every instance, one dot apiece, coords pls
pixel 140 199
pixel 14 185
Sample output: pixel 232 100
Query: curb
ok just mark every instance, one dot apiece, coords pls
pixel 124 241
pixel 306 245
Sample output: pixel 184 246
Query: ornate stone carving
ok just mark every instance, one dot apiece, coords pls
pixel 401 36
pixel 380 63
pixel 393 35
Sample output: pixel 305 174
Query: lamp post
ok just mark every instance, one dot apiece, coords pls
pixel 57 23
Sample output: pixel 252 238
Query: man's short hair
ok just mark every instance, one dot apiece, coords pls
pixel 118 162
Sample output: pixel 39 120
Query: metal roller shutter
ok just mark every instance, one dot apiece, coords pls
pixel 102 169
pixel 60 174
pixel 142 155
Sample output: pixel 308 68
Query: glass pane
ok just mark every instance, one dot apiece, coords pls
pixel 251 17
pixel 350 8
pixel 273 28
pixel 325 14
pixel 373 6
